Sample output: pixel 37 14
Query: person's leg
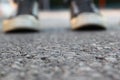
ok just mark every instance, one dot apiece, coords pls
pixel 25 6
pixel 84 13
pixel 40 3
pixel 25 17
pixel 80 6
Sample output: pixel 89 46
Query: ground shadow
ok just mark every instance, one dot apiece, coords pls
pixel 22 31
pixel 91 28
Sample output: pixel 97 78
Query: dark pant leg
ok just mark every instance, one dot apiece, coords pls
pixel 25 6
pixel 40 2
pixel 81 5
pixel 84 5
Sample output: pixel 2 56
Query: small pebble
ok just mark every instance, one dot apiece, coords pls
pixel 111 59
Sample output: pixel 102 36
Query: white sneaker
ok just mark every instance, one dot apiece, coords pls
pixel 23 21
pixel 85 14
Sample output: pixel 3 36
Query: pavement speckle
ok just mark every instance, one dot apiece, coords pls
pixel 60 55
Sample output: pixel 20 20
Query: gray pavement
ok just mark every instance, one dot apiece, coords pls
pixel 58 53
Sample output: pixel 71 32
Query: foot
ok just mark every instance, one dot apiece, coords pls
pixel 84 14
pixel 21 22
pixel 26 20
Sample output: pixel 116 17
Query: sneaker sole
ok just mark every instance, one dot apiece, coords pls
pixel 87 19
pixel 22 22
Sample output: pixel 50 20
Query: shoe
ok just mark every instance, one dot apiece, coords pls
pixel 84 15
pixel 23 21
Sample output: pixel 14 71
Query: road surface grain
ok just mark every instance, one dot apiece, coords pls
pixel 60 54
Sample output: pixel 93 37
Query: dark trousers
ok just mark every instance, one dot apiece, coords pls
pixel 26 6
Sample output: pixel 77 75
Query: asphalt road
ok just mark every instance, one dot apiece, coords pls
pixel 59 53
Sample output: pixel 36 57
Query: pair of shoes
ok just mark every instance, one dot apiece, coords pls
pixel 83 14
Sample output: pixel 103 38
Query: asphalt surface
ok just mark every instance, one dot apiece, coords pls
pixel 61 54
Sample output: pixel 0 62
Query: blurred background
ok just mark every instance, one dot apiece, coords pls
pixel 110 9
pixel 58 4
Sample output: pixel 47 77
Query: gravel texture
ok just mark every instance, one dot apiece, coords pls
pixel 60 54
